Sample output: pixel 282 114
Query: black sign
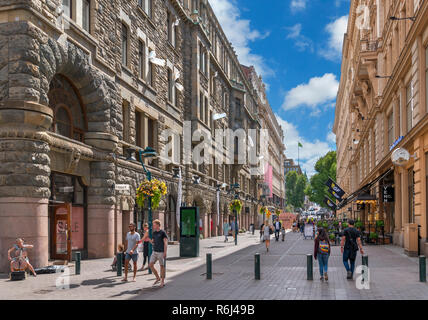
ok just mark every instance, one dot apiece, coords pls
pixel 335 194
pixel 360 206
pixel 330 203
pixel 388 194
pixel 334 187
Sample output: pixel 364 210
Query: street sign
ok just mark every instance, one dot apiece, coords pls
pixel 388 194
pixel 122 187
pixel 335 187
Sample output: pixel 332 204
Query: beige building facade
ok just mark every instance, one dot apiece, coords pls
pixel 382 105
pixel 87 84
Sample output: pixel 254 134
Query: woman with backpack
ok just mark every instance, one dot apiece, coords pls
pixel 267 231
pixel 322 252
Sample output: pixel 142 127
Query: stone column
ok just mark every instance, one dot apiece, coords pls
pixel 101 199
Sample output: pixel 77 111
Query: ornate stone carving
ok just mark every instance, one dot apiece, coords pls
pixel 73 160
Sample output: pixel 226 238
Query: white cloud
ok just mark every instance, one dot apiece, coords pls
pixel 336 31
pixel 317 91
pixel 297 5
pixel 331 137
pixel 300 41
pixel 311 151
pixel 240 34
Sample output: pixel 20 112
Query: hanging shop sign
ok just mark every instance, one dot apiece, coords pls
pixel 330 203
pixel 333 186
pixel 388 194
pixel 395 143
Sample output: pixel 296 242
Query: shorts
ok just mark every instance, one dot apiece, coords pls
pixel 157 256
pixel 134 257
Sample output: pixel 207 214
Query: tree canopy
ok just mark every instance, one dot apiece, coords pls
pixel 295 189
pixel 325 168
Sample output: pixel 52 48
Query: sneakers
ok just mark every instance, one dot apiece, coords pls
pixel 349 275
pixel 325 277
pixel 322 278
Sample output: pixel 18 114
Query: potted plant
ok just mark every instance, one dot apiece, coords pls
pixel 358 224
pixel 235 205
pixel 380 223
pixel 373 236
pixel 325 224
pixel 154 189
pixel 344 225
pixel 319 224
pixel 263 210
pixel 332 236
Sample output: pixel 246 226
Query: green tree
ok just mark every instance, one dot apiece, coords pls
pixel 325 168
pixel 295 189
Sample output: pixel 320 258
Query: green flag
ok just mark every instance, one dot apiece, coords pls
pixel 300 145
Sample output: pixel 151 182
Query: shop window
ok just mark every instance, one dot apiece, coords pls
pixel 69 115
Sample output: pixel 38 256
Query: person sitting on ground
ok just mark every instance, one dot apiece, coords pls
pixel 120 249
pixel 20 262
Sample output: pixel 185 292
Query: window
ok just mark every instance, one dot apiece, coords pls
pixel 426 77
pixel 170 86
pixel 409 106
pixel 86 9
pixel 138 129
pixel 391 129
pixel 125 120
pixel 63 121
pixel 169 26
pixel 206 111
pixel 201 106
pixel 151 73
pixel 146 5
pixel 411 194
pixel 238 107
pixel 66 4
pixel 124 45
pixel 201 58
pixel 141 59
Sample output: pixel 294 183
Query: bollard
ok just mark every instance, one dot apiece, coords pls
pixel 309 267
pixel 422 269
pixel 78 258
pixel 365 260
pixel 119 264
pixel 209 266
pixel 257 266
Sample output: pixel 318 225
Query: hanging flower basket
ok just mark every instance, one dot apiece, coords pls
pixel 277 212
pixel 154 188
pixel 236 205
pixel 263 210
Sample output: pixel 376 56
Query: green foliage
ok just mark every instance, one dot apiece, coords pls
pixel 295 189
pixel 325 224
pixel 380 223
pixel 325 167
pixel 345 225
pixel 331 236
pixel 335 223
pixel 358 224
pixel 373 235
pixel 319 224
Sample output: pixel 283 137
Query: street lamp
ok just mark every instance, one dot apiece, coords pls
pixel 148 153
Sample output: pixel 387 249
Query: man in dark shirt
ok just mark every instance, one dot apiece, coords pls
pixel 351 241
pixel 160 245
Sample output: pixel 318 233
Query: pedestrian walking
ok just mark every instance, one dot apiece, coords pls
pixel 349 245
pixel 226 230
pixel 262 236
pixel 132 239
pixel 277 229
pixel 160 245
pixel 120 249
pixel 145 241
pixel 283 233
pixel 322 252
pixel 267 231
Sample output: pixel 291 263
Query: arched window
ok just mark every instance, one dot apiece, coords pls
pixel 69 115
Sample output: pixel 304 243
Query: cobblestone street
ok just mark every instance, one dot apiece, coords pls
pixel 283 276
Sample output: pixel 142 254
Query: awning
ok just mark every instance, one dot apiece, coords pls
pixel 363 190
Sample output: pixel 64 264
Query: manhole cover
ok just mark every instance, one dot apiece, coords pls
pixel 43 291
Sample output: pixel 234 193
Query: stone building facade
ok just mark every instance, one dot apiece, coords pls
pixel 85 85
pixel 381 106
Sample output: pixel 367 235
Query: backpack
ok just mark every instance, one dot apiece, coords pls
pixel 323 246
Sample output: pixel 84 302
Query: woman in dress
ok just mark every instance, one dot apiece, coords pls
pixel 267 231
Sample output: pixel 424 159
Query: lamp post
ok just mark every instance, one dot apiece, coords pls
pixel 148 153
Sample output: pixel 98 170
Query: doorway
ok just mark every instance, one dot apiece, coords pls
pixel 61 238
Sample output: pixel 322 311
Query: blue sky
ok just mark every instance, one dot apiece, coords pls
pixel 296 46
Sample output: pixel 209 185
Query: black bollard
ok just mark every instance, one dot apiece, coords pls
pixel 78 258
pixel 422 269
pixel 257 266
pixel 119 264
pixel 209 266
pixel 309 267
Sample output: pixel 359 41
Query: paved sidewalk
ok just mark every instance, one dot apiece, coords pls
pixel 392 276
pixel 97 281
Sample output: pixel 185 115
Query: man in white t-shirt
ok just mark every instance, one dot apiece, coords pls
pixel 132 239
